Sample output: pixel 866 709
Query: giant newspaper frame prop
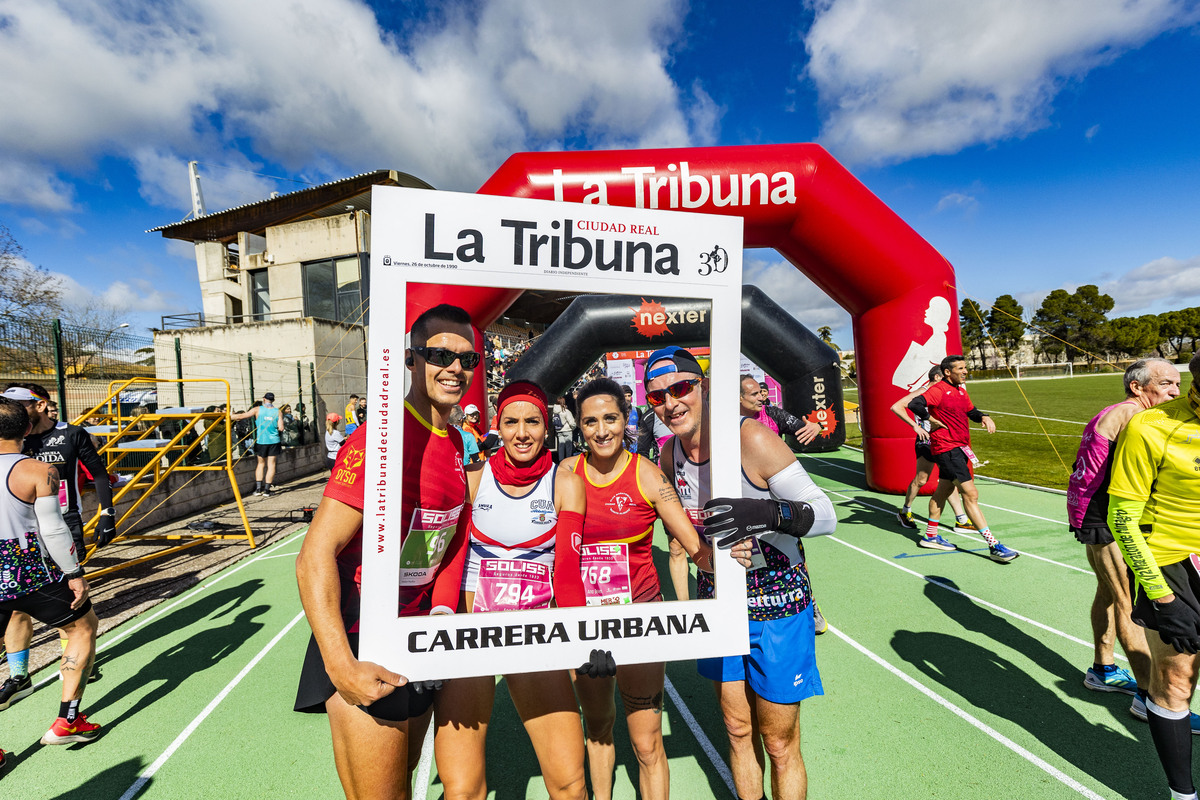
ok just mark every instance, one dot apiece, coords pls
pixel 461 240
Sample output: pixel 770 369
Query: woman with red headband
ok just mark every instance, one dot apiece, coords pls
pixel 626 495
pixel 526 523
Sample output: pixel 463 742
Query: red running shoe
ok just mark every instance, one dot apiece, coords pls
pixel 63 732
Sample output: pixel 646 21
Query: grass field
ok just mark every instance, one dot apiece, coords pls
pixel 1038 424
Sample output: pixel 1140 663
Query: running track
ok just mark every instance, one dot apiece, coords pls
pixel 946 675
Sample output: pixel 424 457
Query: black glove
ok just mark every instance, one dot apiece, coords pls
pixel 421 687
pixel 1178 625
pixel 106 530
pixel 737 518
pixel 600 665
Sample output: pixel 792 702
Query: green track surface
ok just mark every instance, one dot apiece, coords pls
pixel 1026 726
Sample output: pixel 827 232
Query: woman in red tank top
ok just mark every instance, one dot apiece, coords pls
pixel 626 495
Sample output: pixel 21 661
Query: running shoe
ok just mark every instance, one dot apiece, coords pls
pixel 819 623
pixel 936 543
pixel 15 689
pixel 1117 680
pixel 965 526
pixel 1002 554
pixel 266 493
pixel 906 520
pixel 1137 709
pixel 63 732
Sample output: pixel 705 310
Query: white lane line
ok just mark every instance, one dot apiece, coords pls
pixel 705 744
pixel 862 502
pixel 424 766
pixel 150 771
pixel 972 597
pixel 280 555
pixel 1041 764
pixel 1031 416
pixel 187 596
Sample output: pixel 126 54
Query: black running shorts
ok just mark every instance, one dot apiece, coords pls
pixel 49 604
pixel 1093 534
pixel 953 466
pixel 1184 580
pixel 268 450
pixel 315 688
pixel 923 451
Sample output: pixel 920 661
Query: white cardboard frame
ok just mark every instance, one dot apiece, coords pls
pixel 401 255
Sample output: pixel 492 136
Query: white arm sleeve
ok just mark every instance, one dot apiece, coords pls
pixel 54 534
pixel 793 483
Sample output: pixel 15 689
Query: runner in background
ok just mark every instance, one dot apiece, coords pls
pixel 375 713
pixel 631 427
pixel 348 414
pixel 36 547
pixel 1154 515
pixel 626 495
pixel 760 693
pixel 756 404
pixel 1148 382
pixel 470 443
pixel 948 401
pixel 925 463
pixel 522 553
pixel 69 449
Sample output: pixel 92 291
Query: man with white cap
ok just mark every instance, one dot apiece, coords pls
pixel 267 442
pixel 760 693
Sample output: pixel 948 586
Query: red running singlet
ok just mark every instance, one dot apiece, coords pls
pixel 432 480
pixel 618 513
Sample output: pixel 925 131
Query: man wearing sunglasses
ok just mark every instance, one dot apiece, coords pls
pixel 374 713
pixel 760 693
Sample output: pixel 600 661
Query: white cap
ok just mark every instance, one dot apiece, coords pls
pixel 20 394
pixel 471 409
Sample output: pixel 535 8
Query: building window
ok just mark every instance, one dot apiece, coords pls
pixel 334 289
pixel 260 295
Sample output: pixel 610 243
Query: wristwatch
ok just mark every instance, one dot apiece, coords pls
pixel 76 575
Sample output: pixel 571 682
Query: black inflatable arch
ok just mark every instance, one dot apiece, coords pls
pixel 808 369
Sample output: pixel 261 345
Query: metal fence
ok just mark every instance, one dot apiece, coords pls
pixel 78 365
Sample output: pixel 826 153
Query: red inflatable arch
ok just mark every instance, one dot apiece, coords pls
pixel 797 199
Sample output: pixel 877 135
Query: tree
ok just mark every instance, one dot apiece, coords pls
pixel 1006 326
pixel 1076 320
pixel 1133 337
pixel 26 291
pixel 1174 327
pixel 970 324
pixel 826 335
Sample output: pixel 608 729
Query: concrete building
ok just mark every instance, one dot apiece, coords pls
pixel 283 280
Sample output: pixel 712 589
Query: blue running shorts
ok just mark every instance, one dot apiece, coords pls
pixel 782 664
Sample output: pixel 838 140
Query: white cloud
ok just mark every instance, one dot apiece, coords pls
pixel 1091 132
pixel 798 295
pixel 135 295
pixel 309 82
pixel 952 200
pixel 1162 284
pixel 904 78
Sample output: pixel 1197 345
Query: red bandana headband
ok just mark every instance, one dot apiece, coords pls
pixel 506 472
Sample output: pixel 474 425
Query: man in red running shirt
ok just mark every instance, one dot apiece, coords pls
pixel 377 718
pixel 948 402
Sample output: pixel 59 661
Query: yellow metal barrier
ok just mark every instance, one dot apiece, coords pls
pixel 125 435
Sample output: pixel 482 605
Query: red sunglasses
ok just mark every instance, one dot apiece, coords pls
pixel 676 390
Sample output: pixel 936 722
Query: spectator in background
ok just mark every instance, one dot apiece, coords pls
pixel 470 443
pixel 631 426
pixel 472 425
pixel 563 423
pixel 52 410
pixel 215 439
pixel 334 439
pixel 360 412
pixel 269 428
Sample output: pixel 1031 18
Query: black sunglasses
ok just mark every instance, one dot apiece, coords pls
pixel 676 390
pixel 442 357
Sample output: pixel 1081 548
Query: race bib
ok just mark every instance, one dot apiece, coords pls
pixel 974 459
pixel 605 572
pixel 512 584
pixel 428 537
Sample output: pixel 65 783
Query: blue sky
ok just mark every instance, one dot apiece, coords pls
pixel 1038 144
